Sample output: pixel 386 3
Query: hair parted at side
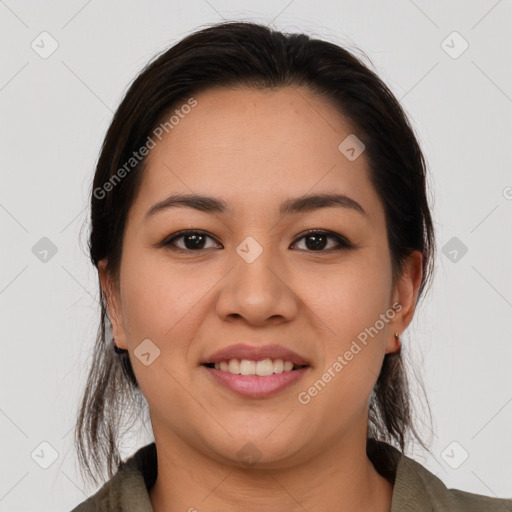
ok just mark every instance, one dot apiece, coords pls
pixel 242 54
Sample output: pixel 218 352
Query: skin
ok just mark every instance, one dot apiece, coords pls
pixel 254 149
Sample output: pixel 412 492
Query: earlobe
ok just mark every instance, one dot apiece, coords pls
pixel 396 344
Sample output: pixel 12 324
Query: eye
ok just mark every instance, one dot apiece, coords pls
pixel 316 241
pixel 193 240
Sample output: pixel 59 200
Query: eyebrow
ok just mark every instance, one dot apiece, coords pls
pixel 288 207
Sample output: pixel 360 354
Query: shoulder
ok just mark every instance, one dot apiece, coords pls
pixel 128 488
pixel 417 489
pixel 417 483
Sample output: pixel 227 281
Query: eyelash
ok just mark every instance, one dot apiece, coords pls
pixel 343 243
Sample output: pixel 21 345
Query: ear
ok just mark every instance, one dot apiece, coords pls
pixel 405 294
pixel 111 292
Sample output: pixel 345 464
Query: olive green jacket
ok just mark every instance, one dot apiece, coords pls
pixel 415 488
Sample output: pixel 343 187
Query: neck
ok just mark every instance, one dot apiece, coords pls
pixel 341 478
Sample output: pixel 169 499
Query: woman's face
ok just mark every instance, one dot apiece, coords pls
pixel 253 276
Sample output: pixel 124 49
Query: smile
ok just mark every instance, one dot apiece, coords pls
pixel 262 368
pixel 255 379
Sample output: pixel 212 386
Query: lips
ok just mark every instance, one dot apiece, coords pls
pixel 256 387
pixel 256 353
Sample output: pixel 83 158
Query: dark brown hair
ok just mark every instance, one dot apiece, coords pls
pixel 237 54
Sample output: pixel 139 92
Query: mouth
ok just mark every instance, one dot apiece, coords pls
pixel 260 360
pixel 255 371
pixel 255 379
pixel 221 367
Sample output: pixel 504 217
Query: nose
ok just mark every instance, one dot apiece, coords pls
pixel 259 291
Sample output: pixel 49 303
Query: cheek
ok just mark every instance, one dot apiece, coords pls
pixel 161 304
pixel 349 298
pixel 158 296
pixel 355 342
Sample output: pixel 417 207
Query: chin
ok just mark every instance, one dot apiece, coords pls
pixel 257 449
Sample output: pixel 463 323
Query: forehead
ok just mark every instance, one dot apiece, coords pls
pixel 255 146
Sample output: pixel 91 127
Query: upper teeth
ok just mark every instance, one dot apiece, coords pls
pixel 248 367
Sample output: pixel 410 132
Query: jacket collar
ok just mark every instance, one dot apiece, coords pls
pixel 411 480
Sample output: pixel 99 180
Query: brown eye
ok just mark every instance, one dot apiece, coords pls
pixel 317 241
pixel 192 241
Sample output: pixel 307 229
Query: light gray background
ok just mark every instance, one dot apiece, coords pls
pixel 54 114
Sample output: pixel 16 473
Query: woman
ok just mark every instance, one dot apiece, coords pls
pixel 262 235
